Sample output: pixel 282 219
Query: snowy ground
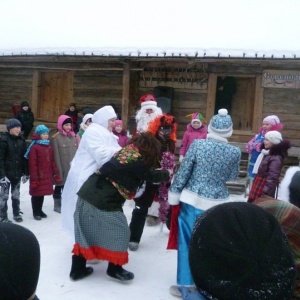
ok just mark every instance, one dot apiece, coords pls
pixel 154 267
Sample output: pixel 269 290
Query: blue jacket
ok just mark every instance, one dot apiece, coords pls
pixel 202 176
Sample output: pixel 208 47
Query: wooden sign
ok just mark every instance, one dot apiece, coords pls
pixel 282 79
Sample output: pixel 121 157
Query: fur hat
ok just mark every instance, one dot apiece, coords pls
pixel 274 137
pixel 41 129
pixel 239 251
pixel 272 119
pixel 24 103
pixel 19 262
pixel 86 118
pixel 221 124
pixel 12 123
pixel 148 101
pixel 118 122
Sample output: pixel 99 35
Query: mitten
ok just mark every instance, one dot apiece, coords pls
pixel 34 184
pixel 57 179
pixel 187 294
pixel 25 178
pixel 4 182
pixel 180 158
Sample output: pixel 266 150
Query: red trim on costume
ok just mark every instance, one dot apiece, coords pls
pixel 95 252
pixel 173 235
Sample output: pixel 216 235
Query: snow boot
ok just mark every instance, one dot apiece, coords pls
pixel 117 272
pixel 79 269
pixel 57 203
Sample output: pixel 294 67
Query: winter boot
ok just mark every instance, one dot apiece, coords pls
pixel 79 269
pixel 57 203
pixel 117 272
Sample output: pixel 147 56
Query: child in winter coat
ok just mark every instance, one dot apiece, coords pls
pixel 26 117
pixel 72 112
pixel 195 130
pixel 253 147
pixel 120 133
pixel 86 121
pixel 268 165
pixel 65 143
pixel 42 170
pixel 13 168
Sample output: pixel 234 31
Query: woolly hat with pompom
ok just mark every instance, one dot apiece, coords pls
pixel 221 124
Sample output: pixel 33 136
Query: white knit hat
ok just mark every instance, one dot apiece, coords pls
pixel 274 137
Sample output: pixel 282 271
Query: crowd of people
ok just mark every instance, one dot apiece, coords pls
pixel 225 249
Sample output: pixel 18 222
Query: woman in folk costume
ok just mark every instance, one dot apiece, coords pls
pixel 101 199
pixel 147 113
pixel 194 130
pixel 163 128
pixel 97 146
pixel 200 184
pixel 42 170
pixel 268 165
pixel 65 143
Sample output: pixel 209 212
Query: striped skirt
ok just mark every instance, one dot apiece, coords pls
pixel 99 234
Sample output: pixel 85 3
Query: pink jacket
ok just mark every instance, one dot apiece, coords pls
pixel 190 135
pixel 123 138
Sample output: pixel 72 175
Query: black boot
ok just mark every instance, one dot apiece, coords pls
pixel 117 272
pixel 79 269
pixel 35 208
pixel 57 203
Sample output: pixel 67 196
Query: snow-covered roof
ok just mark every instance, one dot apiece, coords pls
pixel 169 28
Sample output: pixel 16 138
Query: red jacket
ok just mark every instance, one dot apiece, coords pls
pixel 42 170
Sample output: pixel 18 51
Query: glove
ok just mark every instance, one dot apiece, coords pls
pixel 180 158
pixel 187 294
pixel 57 179
pixel 4 182
pixel 25 178
pixel 34 184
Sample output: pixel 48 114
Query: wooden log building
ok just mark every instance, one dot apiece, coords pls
pixel 50 82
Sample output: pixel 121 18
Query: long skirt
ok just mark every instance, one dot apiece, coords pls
pixel 99 234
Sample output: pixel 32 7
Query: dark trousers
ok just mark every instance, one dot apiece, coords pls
pixel 37 204
pixel 57 191
pixel 15 198
pixel 137 223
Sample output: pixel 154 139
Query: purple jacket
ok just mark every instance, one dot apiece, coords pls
pixel 190 135
pixel 123 138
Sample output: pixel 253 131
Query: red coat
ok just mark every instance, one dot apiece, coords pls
pixel 42 170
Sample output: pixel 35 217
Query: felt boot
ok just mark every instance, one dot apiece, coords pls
pixel 117 272
pixel 57 203
pixel 79 269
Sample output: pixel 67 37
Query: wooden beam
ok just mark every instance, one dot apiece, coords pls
pixel 125 94
pixel 35 92
pixel 258 104
pixel 211 96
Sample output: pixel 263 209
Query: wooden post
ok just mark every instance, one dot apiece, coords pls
pixel 258 104
pixel 211 96
pixel 125 94
pixel 35 93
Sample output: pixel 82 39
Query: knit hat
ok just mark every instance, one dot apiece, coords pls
pixel 24 103
pixel 86 118
pixel 239 251
pixel 19 262
pixel 66 121
pixel 148 101
pixel 41 129
pixel 221 124
pixel 196 117
pixel 118 122
pixel 12 123
pixel 274 137
pixel 273 120
pixel 87 110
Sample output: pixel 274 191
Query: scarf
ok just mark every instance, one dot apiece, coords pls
pixel 40 142
pixel 259 160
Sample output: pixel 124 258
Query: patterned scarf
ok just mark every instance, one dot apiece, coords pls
pixel 40 142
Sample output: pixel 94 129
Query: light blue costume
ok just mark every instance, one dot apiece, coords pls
pixel 200 184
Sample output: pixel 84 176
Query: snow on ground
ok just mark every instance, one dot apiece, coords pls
pixel 153 265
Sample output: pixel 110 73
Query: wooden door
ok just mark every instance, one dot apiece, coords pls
pixel 55 95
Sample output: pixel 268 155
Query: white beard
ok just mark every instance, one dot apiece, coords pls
pixel 142 119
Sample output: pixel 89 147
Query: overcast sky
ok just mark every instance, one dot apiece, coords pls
pixel 231 24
